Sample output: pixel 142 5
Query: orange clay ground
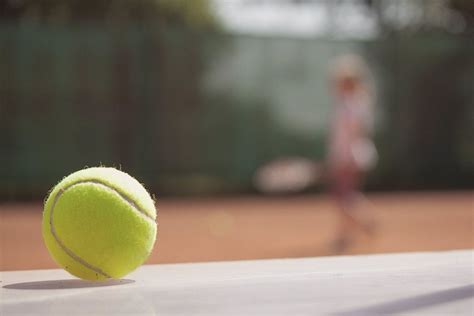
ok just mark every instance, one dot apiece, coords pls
pixel 237 228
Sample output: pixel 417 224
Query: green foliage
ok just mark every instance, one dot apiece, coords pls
pixel 196 13
pixel 193 14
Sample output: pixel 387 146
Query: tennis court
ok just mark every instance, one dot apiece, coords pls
pixel 211 229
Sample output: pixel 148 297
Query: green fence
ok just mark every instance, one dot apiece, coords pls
pixel 185 112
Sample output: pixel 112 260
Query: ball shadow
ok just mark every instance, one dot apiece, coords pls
pixel 65 284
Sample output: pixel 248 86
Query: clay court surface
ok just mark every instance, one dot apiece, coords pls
pixel 192 230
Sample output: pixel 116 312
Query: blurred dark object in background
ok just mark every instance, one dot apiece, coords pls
pixel 161 89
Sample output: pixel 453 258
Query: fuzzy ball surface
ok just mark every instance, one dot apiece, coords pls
pixel 99 223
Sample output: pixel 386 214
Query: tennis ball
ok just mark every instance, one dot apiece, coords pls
pixel 99 223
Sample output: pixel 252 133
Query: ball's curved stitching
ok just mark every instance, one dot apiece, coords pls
pixel 69 251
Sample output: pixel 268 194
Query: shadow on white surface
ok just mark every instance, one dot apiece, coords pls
pixel 414 303
pixel 65 284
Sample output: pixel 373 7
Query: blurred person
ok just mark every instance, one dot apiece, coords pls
pixel 351 152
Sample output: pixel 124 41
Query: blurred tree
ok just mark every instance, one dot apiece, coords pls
pixel 466 9
pixel 194 14
pixel 456 16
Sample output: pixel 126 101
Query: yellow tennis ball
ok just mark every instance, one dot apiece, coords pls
pixel 99 223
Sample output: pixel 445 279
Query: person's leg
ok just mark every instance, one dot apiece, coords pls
pixel 344 199
pixel 363 210
pixel 368 216
pixel 354 209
